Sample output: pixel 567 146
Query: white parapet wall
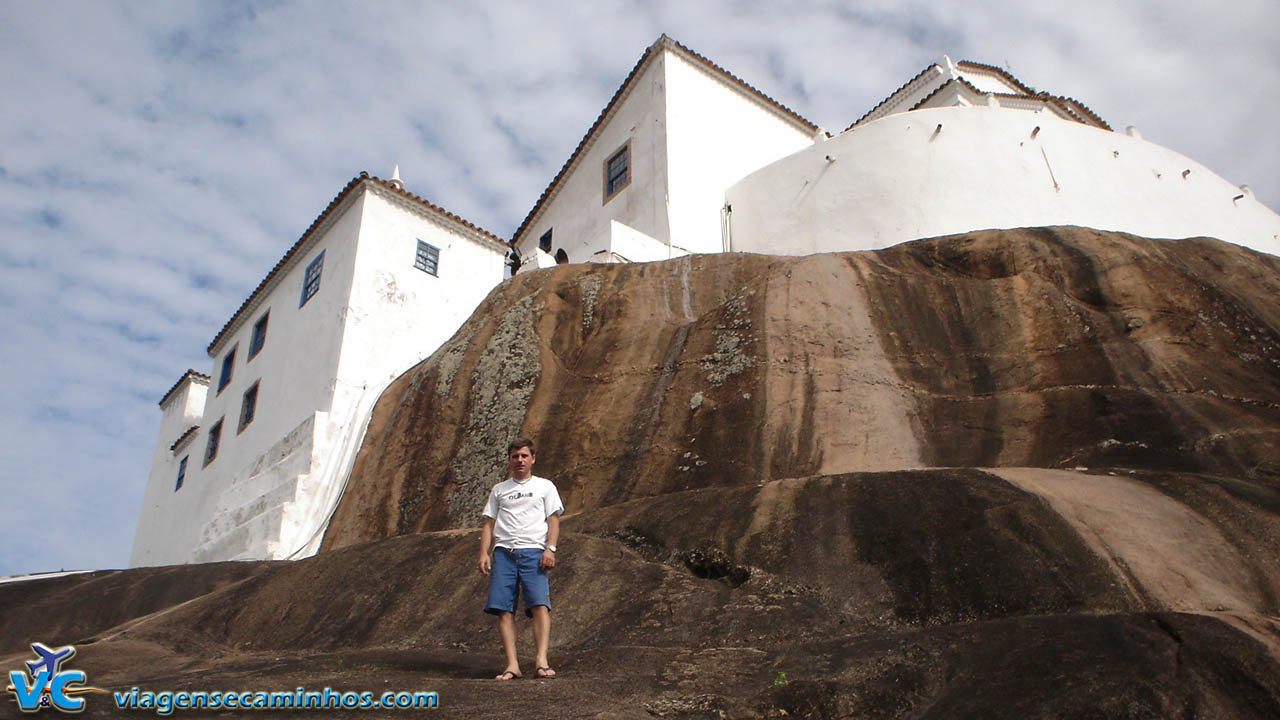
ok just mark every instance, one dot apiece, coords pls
pixel 537 259
pixel 626 244
pixel 942 171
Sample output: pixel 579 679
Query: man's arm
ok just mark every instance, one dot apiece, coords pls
pixel 548 559
pixel 486 539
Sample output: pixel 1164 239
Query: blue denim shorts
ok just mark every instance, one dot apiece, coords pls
pixel 517 572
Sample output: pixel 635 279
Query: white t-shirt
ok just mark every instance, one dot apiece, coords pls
pixel 520 510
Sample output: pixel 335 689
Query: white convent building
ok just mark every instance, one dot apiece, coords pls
pixel 251 458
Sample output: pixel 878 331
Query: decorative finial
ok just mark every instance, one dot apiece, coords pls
pixel 950 66
pixel 395 178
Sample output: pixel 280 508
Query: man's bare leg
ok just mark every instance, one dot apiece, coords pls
pixel 542 638
pixel 507 630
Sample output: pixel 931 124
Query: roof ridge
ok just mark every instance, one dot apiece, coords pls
pixel 186 434
pixel 399 189
pixel 1058 99
pixel 759 94
pixel 288 255
pixel 294 250
pixel 889 97
pixel 190 373
pixel 1055 101
pixel 555 181
pixel 953 81
pixel 1001 72
pixel 664 42
pixel 1085 108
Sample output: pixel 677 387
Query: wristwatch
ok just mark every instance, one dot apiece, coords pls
pixel 552 548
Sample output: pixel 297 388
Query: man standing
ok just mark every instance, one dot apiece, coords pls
pixel 522 519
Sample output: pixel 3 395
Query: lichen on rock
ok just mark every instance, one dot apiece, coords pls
pixel 730 357
pixel 501 385
pixel 448 362
pixel 590 288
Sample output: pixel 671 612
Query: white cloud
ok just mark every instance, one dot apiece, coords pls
pixel 157 159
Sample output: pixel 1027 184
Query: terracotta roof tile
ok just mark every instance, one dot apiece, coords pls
pixel 954 81
pixel 980 93
pixel 293 252
pixel 181 438
pixel 1067 104
pixel 195 377
pixel 1072 107
pixel 993 70
pixel 920 75
pixel 662 43
pixel 1063 101
pixel 388 185
pixel 742 84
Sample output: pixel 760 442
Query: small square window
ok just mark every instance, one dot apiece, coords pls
pixel 228 366
pixel 544 242
pixel 617 171
pixel 215 435
pixel 259 337
pixel 182 472
pixel 427 259
pixel 311 283
pixel 249 407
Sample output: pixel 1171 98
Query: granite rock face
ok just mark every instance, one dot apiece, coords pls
pixel 1049 348
pixel 1030 473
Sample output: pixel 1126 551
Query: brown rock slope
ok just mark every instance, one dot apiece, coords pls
pixel 1052 348
pixel 778 507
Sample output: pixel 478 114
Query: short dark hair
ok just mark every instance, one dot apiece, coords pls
pixel 521 443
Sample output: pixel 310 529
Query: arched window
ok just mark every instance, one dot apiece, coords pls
pixel 562 258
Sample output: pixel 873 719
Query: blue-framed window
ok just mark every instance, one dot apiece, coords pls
pixel 617 171
pixel 259 337
pixel 248 407
pixel 427 259
pixel 215 436
pixel 182 472
pixel 311 283
pixel 228 367
pixel 544 242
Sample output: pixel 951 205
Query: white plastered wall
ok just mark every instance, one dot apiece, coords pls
pixel 576 213
pixel 183 409
pixel 271 487
pixel 398 315
pixel 222 511
pixel 901 178
pixel 715 137
pixel 691 136
pixel 626 244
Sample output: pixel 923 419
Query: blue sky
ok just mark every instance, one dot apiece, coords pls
pixel 156 159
